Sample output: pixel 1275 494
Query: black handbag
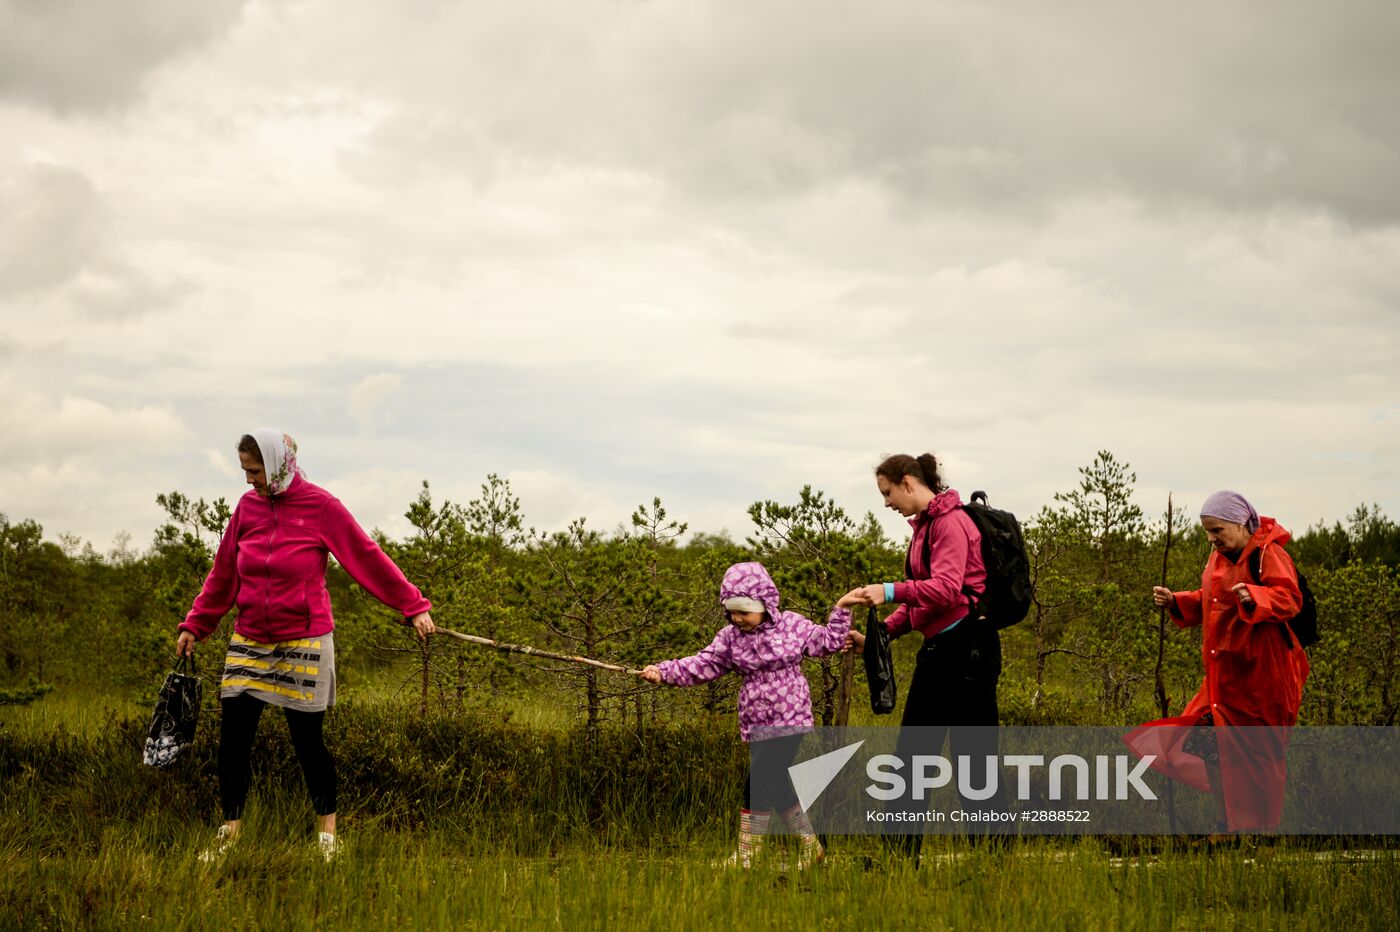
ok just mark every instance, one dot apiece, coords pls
pixel 177 713
pixel 879 665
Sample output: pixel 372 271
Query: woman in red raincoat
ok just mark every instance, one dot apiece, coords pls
pixel 1231 738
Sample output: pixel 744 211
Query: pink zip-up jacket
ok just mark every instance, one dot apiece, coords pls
pixel 774 699
pixel 943 574
pixel 271 564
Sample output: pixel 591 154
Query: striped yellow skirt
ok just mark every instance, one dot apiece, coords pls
pixel 296 674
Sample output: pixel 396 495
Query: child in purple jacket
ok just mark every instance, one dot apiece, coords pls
pixel 765 647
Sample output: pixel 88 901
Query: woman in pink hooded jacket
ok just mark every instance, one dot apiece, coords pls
pixel 954 688
pixel 765 646
pixel 271 566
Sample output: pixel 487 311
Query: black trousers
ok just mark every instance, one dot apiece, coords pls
pixel 238 727
pixel 953 695
pixel 768 785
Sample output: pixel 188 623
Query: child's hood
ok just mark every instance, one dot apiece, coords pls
pixel 751 581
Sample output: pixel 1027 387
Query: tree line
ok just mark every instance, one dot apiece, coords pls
pixel 72 618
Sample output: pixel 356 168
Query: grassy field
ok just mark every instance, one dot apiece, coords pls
pixel 148 876
pixel 479 823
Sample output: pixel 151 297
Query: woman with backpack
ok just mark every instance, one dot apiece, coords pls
pixel 954 688
pixel 1255 668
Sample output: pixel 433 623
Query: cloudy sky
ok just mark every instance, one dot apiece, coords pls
pixel 709 250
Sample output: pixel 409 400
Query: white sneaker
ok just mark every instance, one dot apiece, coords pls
pixel 224 839
pixel 329 847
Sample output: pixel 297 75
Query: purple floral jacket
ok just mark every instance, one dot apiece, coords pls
pixel 774 698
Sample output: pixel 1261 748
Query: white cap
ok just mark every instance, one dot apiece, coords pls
pixel 741 603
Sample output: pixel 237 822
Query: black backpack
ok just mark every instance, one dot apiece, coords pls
pixel 1007 598
pixel 1304 624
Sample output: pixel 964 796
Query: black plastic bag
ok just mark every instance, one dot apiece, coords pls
pixel 177 713
pixel 879 665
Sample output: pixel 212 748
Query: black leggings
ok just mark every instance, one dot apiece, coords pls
pixel 237 730
pixel 953 693
pixel 768 785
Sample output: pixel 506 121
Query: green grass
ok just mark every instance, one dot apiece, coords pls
pixel 475 822
pixel 84 713
pixel 432 879
pixel 399 682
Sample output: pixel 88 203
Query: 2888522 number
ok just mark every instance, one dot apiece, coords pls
pixel 1055 815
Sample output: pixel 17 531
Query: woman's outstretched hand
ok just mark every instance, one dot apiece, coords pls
pixel 852 599
pixel 651 673
pixel 423 625
pixel 873 594
pixel 1162 597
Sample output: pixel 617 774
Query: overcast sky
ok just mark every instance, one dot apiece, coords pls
pixel 710 251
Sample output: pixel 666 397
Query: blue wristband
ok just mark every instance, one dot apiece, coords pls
pixel 889 592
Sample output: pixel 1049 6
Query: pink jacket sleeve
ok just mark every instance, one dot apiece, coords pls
pixel 367 564
pixel 947 569
pixel 220 589
pixel 830 637
pixel 899 622
pixel 709 664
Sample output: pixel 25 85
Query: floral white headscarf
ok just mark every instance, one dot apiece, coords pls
pixel 279 455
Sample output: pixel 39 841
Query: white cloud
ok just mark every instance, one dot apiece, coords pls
pixel 225 463
pixel 83 466
pixel 551 499
pixel 953 105
pixel 51 222
pixel 368 397
pixel 377 496
pixel 61 255
pixel 76 56
pixel 709 252
pixel 38 427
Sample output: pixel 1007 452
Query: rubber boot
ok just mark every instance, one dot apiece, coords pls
pixel 752 827
pixel 811 851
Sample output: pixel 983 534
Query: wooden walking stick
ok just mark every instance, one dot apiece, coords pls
pixel 535 651
pixel 843 689
pixel 1163 701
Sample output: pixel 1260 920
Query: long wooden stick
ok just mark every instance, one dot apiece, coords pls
pixel 1162 700
pixel 535 651
pixel 843 689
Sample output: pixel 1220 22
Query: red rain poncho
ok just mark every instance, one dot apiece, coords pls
pixel 1254 675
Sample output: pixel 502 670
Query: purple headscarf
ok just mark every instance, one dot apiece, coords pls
pixel 1233 507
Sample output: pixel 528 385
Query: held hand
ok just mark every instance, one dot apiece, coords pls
pixel 1241 590
pixel 423 626
pixel 184 644
pixel 852 599
pixel 1162 597
pixel 873 594
pixel 854 641
pixel 651 673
